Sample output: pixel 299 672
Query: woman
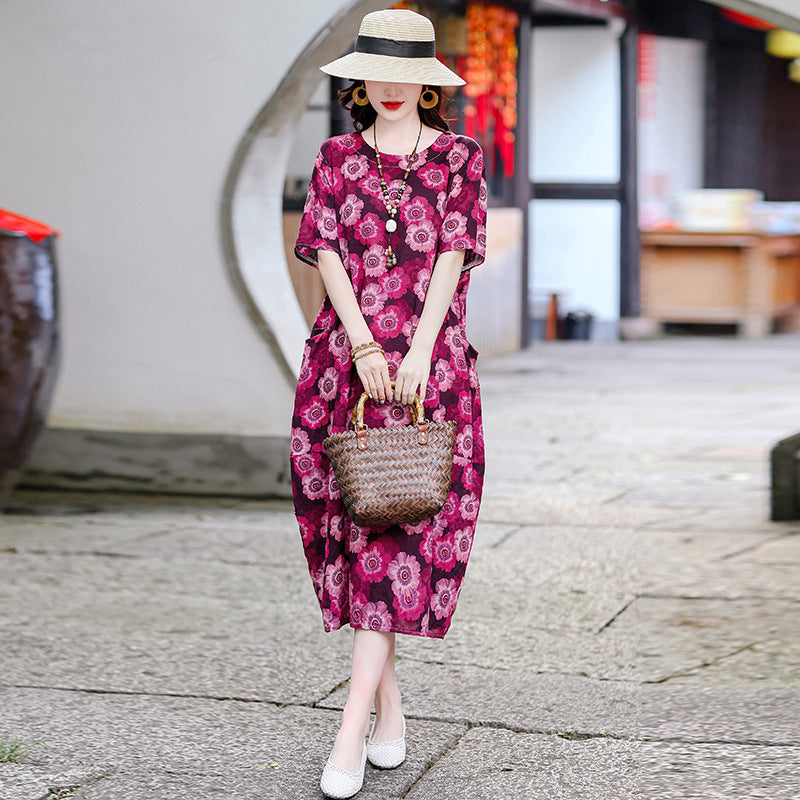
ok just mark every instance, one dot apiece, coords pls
pixel 394 220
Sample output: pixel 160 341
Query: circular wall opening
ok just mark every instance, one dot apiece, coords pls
pixel 252 199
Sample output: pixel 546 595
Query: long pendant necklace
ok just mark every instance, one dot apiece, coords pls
pixel 391 223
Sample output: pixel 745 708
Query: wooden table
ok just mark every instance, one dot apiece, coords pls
pixel 749 279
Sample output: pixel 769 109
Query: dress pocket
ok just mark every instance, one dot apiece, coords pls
pixel 322 325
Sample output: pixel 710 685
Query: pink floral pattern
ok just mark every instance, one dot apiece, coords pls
pixel 402 578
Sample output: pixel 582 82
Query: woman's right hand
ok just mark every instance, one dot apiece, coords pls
pixel 374 373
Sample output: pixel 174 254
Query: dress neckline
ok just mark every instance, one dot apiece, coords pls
pixel 420 153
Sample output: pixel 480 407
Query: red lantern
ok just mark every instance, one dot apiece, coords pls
pixel 491 75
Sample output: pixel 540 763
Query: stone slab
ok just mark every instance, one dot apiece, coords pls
pixel 488 764
pixel 566 508
pixel 749 519
pixel 490 534
pixel 701 493
pixel 483 643
pixel 184 747
pixel 31 782
pixel 252 544
pixel 756 714
pixel 679 634
pixel 521 700
pixel 679 545
pixel 729 580
pixel 771 662
pixel 126 595
pixel 177 665
pixel 777 551
pixel 720 565
pixel 571 558
pixel 583 707
pixel 677 771
pixel 148 625
pixel 276 543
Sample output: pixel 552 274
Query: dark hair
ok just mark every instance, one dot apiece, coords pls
pixel 364 116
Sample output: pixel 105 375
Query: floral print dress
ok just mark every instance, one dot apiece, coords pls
pixel 404 579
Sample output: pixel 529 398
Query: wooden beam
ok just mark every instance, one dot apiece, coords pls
pixel 576 191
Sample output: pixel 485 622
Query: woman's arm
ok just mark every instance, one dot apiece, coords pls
pixel 416 366
pixel 372 369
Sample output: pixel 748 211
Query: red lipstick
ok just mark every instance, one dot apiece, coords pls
pixel 391 105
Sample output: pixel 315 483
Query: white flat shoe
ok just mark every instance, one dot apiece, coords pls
pixel 387 755
pixel 340 783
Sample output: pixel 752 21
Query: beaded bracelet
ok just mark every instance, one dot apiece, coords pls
pixel 367 352
pixel 364 346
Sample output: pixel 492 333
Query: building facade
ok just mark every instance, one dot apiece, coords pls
pixel 157 138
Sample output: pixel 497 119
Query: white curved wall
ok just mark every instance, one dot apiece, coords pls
pixel 118 124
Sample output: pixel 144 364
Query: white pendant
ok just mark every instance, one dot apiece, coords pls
pixel 391 225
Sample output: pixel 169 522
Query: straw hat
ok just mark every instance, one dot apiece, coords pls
pixel 395 46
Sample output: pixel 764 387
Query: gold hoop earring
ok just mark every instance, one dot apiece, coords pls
pixel 429 99
pixel 360 96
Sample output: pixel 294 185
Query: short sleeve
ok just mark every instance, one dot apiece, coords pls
pixel 464 221
pixel 319 227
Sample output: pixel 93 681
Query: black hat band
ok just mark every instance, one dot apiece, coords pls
pixel 378 46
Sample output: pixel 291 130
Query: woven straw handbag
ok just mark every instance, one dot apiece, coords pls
pixel 393 476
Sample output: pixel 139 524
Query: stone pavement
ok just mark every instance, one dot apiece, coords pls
pixel 629 626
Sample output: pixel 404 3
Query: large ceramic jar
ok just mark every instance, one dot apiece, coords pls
pixel 29 339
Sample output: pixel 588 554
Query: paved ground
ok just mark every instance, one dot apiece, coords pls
pixel 629 627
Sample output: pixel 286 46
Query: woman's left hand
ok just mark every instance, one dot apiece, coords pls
pixel 412 376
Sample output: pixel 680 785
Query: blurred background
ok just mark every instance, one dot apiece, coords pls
pixel 644 172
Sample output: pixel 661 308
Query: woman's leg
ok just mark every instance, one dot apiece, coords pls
pixel 388 711
pixel 370 652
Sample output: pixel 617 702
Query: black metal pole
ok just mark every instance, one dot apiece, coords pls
pixel 629 290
